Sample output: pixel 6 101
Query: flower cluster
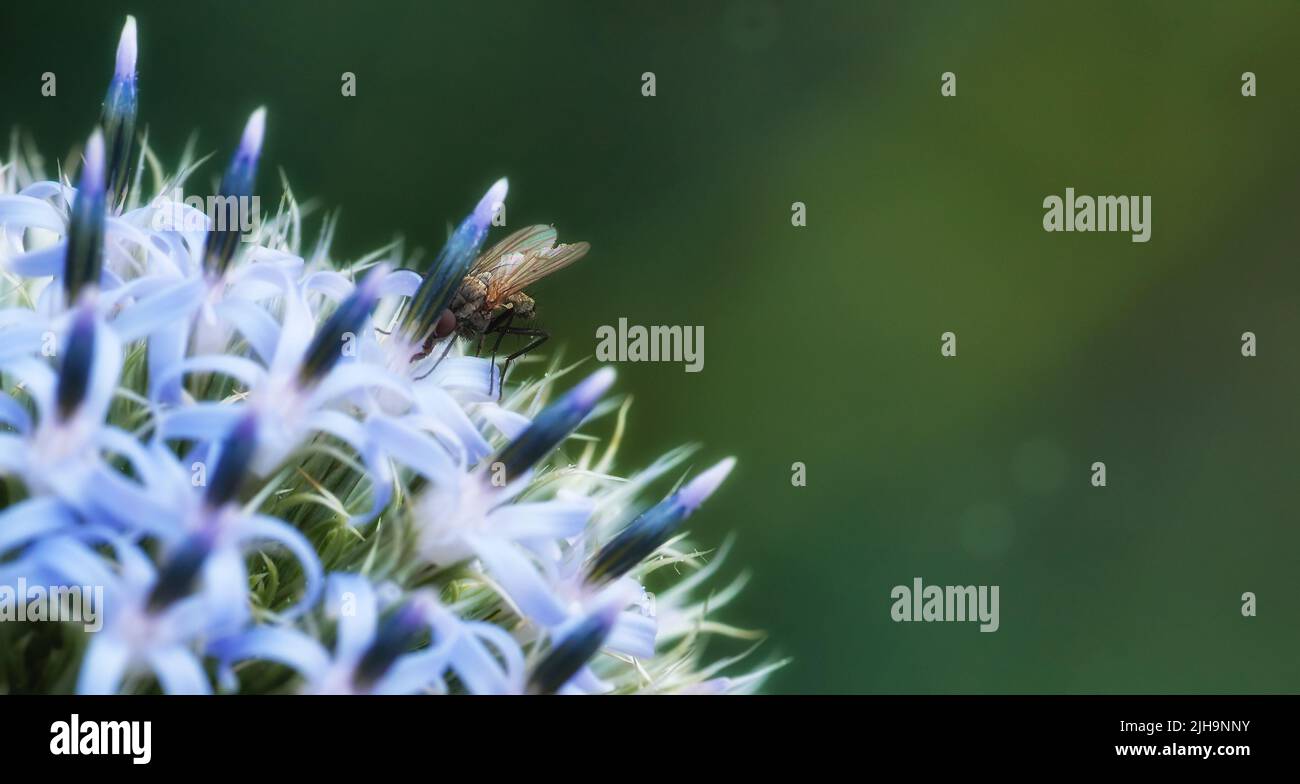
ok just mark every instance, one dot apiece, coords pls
pixel 245 446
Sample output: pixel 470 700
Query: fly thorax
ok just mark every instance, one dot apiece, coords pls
pixel 469 299
pixel 474 322
pixel 472 292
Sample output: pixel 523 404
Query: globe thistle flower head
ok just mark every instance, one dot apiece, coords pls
pixel 234 441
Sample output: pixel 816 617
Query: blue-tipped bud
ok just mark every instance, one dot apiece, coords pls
pixel 180 573
pixel 554 424
pixel 78 358
pixel 488 207
pixel 237 451
pixel 250 144
pixel 570 653
pixel 127 51
pixel 118 116
pixel 83 261
pixel 340 330
pixel 647 533
pixel 452 264
pixel 398 634
pixel 235 198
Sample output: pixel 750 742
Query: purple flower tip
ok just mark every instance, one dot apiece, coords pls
pixel 698 490
pixel 250 146
pixel 586 394
pixel 92 173
pixel 491 201
pixel 126 52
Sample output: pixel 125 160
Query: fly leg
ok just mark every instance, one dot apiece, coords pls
pixel 501 326
pixel 450 340
pixel 539 337
pixel 504 317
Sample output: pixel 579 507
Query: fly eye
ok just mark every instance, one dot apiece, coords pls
pixel 446 324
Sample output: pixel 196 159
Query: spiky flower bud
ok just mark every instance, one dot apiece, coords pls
pixel 119 114
pixel 572 651
pixel 343 324
pixel 554 424
pixel 78 359
pixel 236 190
pixel 397 634
pixel 232 466
pixel 644 535
pixel 180 572
pixel 451 265
pixel 84 257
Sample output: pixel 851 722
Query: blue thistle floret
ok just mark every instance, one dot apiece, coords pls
pixel 84 259
pixel 237 188
pixel 652 528
pixel 179 574
pixel 450 266
pixel 75 369
pixel 327 347
pixel 234 463
pixel 397 635
pixel 119 114
pixel 571 652
pixel 554 424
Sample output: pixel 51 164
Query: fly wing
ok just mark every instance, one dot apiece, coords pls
pixel 530 239
pixel 529 268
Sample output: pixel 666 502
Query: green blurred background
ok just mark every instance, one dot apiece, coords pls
pixel 822 343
